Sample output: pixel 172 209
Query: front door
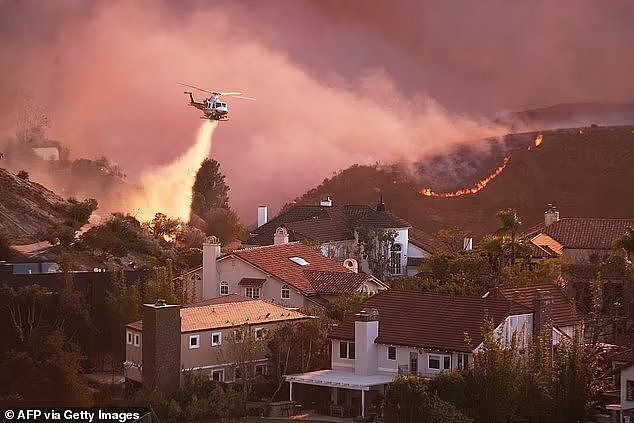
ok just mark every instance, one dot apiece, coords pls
pixel 413 362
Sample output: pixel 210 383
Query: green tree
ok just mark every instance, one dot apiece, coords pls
pixel 509 223
pixel 123 302
pixel 209 190
pixel 225 224
pixel 626 243
pixel 345 304
pixel 374 246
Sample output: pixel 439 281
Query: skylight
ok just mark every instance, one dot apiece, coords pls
pixel 299 261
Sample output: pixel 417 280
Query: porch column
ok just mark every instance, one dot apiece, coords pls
pixel 363 403
pixel 290 390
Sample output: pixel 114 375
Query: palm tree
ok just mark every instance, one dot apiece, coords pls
pixel 510 222
pixel 626 242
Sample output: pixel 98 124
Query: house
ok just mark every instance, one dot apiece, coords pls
pixel 623 368
pixel 407 332
pixel 420 246
pixel 334 230
pixel 222 338
pixel 578 239
pixel 290 274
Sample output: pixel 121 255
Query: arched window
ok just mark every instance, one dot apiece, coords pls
pixel 286 292
pixel 224 288
pixel 395 259
pixel 364 289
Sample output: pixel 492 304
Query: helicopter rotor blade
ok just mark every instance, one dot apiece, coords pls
pixel 244 98
pixel 196 88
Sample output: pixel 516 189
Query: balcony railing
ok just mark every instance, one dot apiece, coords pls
pixel 405 370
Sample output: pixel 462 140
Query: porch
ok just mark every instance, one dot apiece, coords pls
pixel 338 393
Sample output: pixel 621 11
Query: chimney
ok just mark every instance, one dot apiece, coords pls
pixel 326 203
pixel 262 215
pixel 380 206
pixel 161 352
pixel 467 244
pixel 542 315
pixel 366 330
pixel 281 236
pixel 211 252
pixel 551 215
pixel 351 264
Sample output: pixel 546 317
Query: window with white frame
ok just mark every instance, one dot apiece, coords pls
pixel 216 339
pixel 439 362
pixel 395 259
pixel 260 369
pixel 194 341
pixel 258 334
pixel 137 340
pixel 286 292
pixel 218 375
pixel 252 292
pixel 129 337
pixel 224 288
pixel 346 350
pixel 391 353
pixel 463 360
pixel 364 289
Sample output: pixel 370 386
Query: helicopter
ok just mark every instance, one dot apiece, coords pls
pixel 213 108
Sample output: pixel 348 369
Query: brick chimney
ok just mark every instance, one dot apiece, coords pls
pixel 366 330
pixel 211 252
pixel 281 236
pixel 161 347
pixel 542 314
pixel 551 215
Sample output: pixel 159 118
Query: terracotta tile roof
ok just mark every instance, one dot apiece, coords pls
pixel 587 232
pixel 623 356
pixel 251 282
pixel 223 299
pixel 335 282
pixel 324 224
pixel 276 260
pixel 541 251
pixel 563 312
pixel 423 240
pixel 218 316
pixel 431 321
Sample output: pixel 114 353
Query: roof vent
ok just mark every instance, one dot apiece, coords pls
pixel 300 261
pixel 160 303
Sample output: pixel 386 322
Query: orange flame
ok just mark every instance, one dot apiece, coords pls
pixel 479 186
pixel 539 140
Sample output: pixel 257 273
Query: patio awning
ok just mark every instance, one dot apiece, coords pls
pixel 340 379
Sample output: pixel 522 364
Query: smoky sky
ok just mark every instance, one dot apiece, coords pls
pixel 336 82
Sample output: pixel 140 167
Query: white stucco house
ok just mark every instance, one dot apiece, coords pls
pixel 406 332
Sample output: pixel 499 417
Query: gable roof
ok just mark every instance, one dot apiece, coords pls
pixel 563 312
pixel 324 223
pixel 207 316
pixel 431 321
pixel 593 233
pixel 320 275
pixel 423 240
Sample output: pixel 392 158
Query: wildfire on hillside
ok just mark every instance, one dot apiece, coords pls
pixel 480 185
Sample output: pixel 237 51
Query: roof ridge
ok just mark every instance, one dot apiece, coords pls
pixel 261 247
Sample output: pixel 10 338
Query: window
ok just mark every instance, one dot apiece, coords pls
pixel 629 390
pixel 258 334
pixel 286 292
pixel 300 261
pixel 364 289
pixel 224 288
pixel 194 341
pixel 218 375
pixel 216 339
pixel 463 360
pixel 439 362
pixel 395 259
pixel 137 340
pixel 346 350
pixel 391 353
pixel 237 373
pixel 260 369
pixel 252 292
pixel 129 338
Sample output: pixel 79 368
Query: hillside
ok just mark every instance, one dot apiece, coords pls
pixel 27 208
pixel 584 172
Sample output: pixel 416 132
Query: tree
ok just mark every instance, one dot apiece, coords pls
pixel 163 228
pixel 626 243
pixel 80 211
pixel 225 224
pixel 23 174
pixel 373 246
pixel 509 223
pixel 345 304
pixel 123 304
pixel 209 190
